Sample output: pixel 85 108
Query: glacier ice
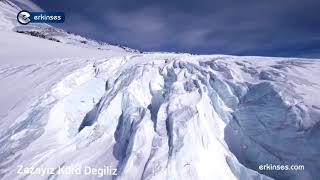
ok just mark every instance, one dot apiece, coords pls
pixel 169 116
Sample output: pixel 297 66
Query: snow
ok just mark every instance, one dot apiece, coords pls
pixel 21 49
pixel 152 115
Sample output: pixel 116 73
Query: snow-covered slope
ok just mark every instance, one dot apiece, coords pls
pixel 151 116
pixel 35 46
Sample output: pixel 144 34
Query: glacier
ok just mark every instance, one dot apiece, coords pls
pixel 67 100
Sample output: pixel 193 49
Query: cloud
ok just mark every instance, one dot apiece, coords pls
pixel 142 28
pixel 244 27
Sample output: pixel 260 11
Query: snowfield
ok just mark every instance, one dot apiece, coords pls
pixel 66 103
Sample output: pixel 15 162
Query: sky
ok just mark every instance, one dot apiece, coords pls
pixel 288 28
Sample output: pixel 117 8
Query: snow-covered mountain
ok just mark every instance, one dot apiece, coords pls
pixel 67 101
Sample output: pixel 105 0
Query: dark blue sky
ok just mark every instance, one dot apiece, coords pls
pixel 240 27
